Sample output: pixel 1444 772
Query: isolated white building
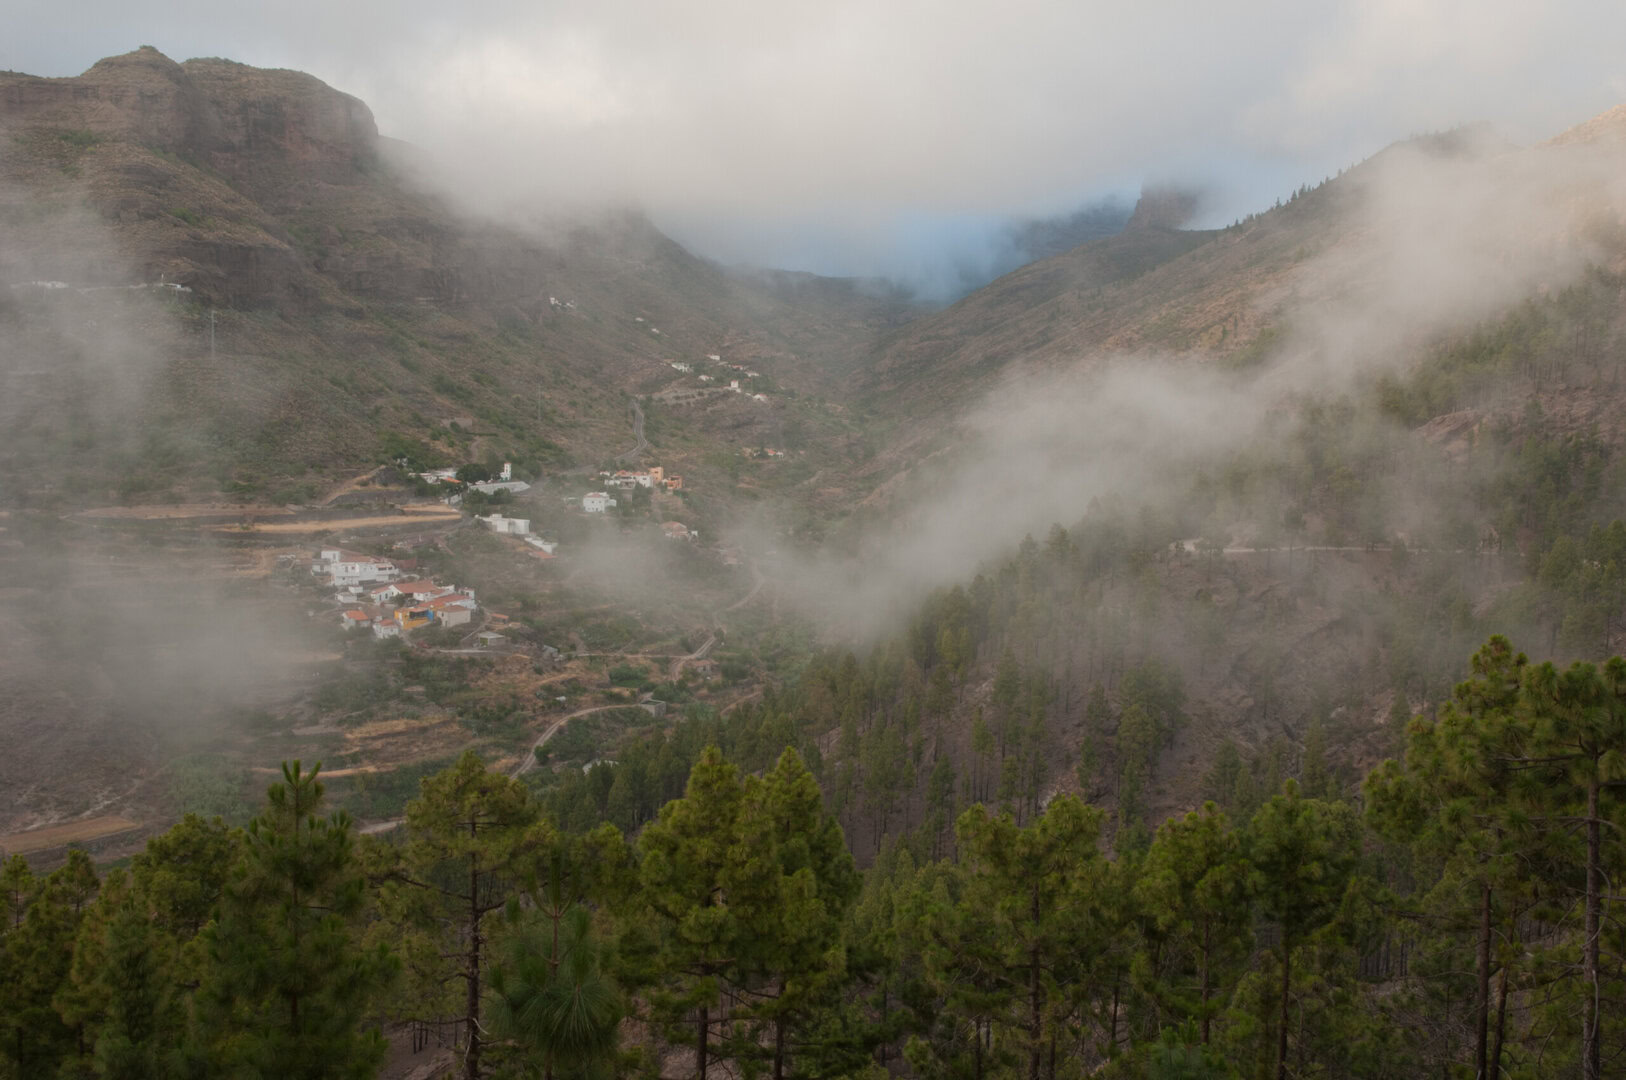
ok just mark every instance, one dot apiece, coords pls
pixel 679 365
pixel 714 358
pixel 507 525
pixel 597 502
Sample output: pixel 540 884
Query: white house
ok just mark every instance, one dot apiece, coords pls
pixel 354 618
pixel 506 525
pixel 679 365
pixel 760 397
pixel 545 546
pixel 386 628
pixel 361 569
pixel 734 385
pixel 714 358
pixel 597 502
pixel 507 471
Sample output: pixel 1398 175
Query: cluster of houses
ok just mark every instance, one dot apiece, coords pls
pixel 653 477
pixel 380 600
pixel 504 482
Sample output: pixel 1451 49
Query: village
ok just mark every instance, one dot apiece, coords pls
pixel 386 596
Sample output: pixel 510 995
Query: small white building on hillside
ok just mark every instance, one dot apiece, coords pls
pixel 597 502
pixel 507 525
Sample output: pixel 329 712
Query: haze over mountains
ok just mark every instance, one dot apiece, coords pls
pixel 1151 553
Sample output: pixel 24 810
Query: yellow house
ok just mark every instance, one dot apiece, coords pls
pixel 413 617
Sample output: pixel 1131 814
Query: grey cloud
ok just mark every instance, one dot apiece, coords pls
pixel 745 114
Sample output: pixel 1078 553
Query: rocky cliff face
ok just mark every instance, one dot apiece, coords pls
pixel 247 185
pixel 257 128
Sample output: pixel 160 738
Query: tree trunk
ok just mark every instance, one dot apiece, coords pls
pixel 1281 1020
pixel 1591 1061
pixel 1112 1023
pixel 1482 983
pixel 1035 1014
pixel 700 1044
pixel 779 1049
pixel 1208 949
pixel 976 1040
pixel 1501 1026
pixel 471 1062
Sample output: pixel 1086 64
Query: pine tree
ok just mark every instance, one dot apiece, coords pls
pixel 469 832
pixel 1454 799
pixel 35 957
pixel 1028 900
pixel 689 859
pixel 1194 884
pixel 288 982
pixel 1302 854
pixel 551 994
pixel 801 884
pixel 143 1020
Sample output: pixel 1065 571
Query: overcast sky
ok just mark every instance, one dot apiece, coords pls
pixel 887 136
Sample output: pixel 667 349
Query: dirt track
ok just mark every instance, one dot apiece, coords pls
pixel 411 517
pixel 73 832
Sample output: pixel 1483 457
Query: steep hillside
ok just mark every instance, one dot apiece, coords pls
pixel 235 257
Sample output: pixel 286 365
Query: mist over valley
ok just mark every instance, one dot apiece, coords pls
pixel 1133 599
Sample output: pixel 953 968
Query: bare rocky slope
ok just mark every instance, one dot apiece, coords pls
pixel 263 275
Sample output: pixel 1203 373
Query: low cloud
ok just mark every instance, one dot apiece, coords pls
pixel 836 117
pixel 1438 235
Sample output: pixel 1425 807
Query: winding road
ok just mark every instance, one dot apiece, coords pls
pixel 527 762
pixel 637 433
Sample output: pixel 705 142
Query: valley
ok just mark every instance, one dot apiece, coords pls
pixel 1113 672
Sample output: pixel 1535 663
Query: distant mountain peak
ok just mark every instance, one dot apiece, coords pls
pixel 1165 206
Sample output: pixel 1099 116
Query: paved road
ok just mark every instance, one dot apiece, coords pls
pixel 637 433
